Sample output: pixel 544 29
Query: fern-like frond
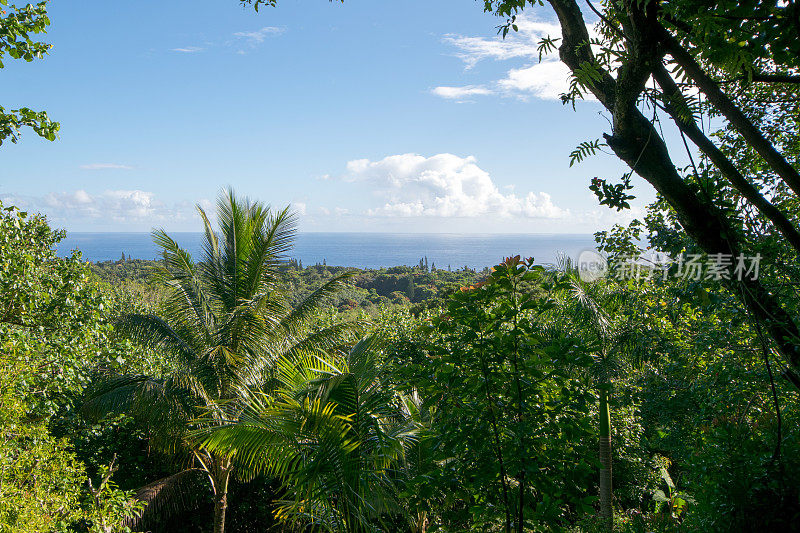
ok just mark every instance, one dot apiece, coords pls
pixel 170 496
pixel 269 248
pixel 313 302
pixel 584 150
pixel 153 332
pixel 160 406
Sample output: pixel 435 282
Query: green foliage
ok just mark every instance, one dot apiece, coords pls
pixel 621 241
pixel 670 502
pixel 584 150
pixel 51 312
pixel 109 507
pixel 410 434
pixel 13 120
pixel 333 432
pixel 224 325
pixel 53 338
pixel 480 411
pixel 511 405
pixel 17 25
pixel 40 480
pixel 614 196
pixel 132 286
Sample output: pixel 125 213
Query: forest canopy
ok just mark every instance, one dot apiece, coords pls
pixel 238 389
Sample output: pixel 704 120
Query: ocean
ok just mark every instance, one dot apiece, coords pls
pixel 361 250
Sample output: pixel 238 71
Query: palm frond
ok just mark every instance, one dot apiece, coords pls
pixel 152 331
pixel 271 242
pixel 312 303
pixel 213 272
pixel 161 406
pixel 168 497
pixel 334 433
pixel 590 309
pixel 326 339
pixel 188 301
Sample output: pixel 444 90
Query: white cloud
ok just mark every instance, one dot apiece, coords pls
pixel 443 185
pixel 300 207
pixel 546 79
pixel 259 36
pixel 188 49
pixel 249 38
pixel 523 43
pixel 106 166
pixel 82 197
pixel 460 93
pixel 119 204
pixel 111 206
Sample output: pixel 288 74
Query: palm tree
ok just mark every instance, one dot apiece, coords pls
pixel 420 458
pixel 612 342
pixel 224 325
pixel 333 431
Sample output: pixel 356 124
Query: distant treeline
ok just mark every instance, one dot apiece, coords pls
pixel 421 284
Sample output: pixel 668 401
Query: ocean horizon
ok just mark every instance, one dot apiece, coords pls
pixel 360 250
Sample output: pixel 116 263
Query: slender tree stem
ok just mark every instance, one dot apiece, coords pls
pixel 496 433
pixel 520 431
pixel 606 491
pixel 222 473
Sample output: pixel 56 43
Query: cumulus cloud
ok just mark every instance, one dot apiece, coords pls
pixel 117 206
pixel 443 185
pixel 106 166
pixel 259 36
pixel 546 79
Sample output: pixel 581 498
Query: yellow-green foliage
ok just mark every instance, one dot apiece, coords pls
pixel 40 479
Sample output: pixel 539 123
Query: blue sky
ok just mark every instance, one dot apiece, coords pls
pixel 370 115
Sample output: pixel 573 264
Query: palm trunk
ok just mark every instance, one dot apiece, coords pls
pixel 222 476
pixel 606 510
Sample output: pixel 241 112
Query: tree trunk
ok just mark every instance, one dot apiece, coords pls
pixel 688 125
pixel 730 110
pixel 606 493
pixel 222 476
pixel 636 141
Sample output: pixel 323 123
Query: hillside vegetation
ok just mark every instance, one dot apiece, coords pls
pixel 239 391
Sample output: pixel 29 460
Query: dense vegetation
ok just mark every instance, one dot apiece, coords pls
pixel 481 411
pixel 237 390
pixel 369 289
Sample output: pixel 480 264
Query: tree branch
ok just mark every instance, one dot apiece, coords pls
pixel 766 77
pixel 688 126
pixel 730 110
pixel 635 141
